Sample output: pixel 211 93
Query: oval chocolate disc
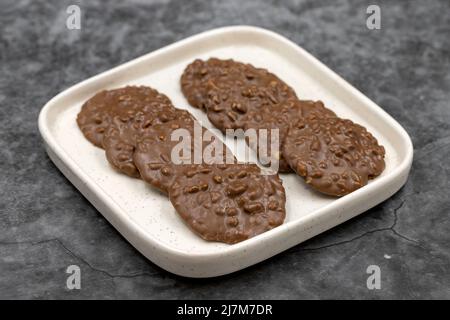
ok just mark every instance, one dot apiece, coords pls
pixel 228 203
pixel 159 146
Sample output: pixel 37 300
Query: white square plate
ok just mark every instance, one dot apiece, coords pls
pixel 146 218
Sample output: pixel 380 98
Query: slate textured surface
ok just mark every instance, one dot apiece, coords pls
pixel 46 225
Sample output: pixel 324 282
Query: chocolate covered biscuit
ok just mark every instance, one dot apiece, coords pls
pixel 157 147
pixel 229 90
pixel 279 117
pixel 97 113
pixel 196 75
pixel 228 203
pixel 122 135
pixel 335 156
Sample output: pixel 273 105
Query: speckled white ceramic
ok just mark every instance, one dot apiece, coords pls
pixel 146 218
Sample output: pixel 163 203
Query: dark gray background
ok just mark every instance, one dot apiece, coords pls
pixel 46 224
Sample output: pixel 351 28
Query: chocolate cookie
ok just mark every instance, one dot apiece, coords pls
pixel 121 137
pixel 155 150
pixel 228 90
pixel 334 155
pixel 279 117
pixel 228 203
pixel 195 78
pixel 97 113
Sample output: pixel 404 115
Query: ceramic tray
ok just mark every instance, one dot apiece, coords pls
pixel 146 218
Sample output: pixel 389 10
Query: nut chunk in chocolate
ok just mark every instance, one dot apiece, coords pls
pixel 228 203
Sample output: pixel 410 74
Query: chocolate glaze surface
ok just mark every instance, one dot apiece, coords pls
pixel 122 135
pixel 228 203
pixel 97 113
pixel 196 75
pixel 280 117
pixel 335 156
pixel 153 154
pixel 229 90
